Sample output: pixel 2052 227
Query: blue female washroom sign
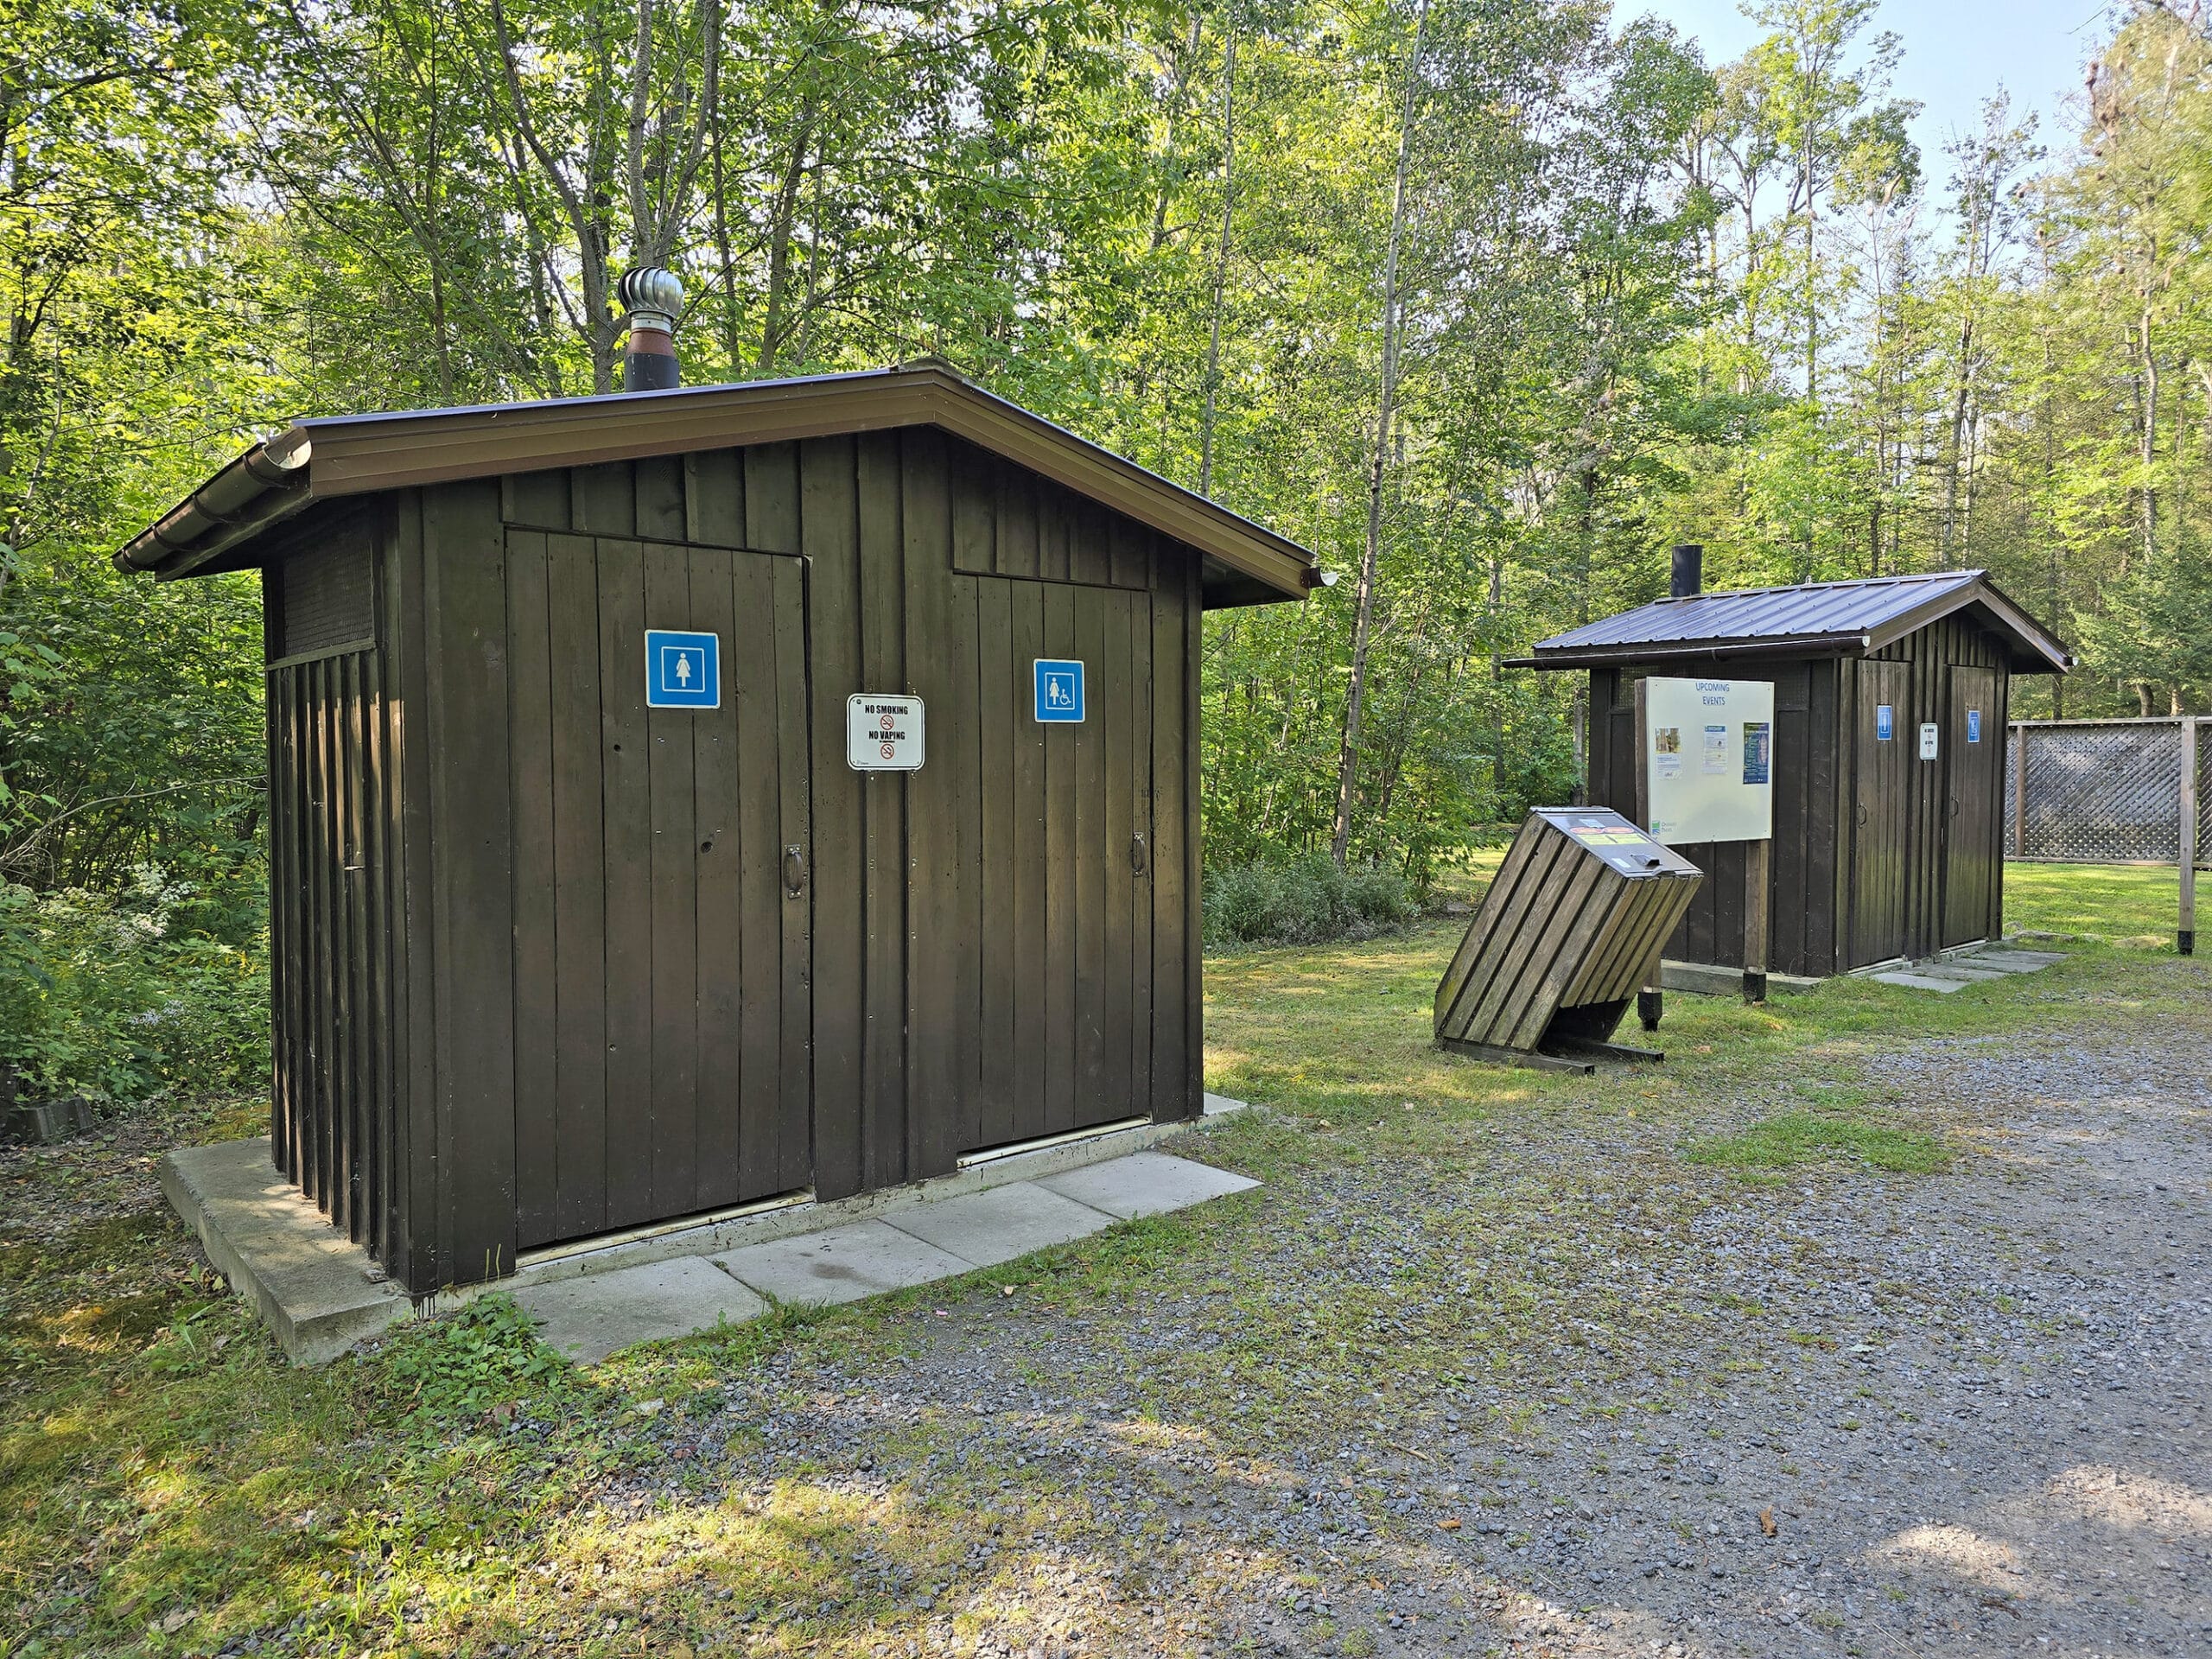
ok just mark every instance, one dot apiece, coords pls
pixel 682 670
pixel 1059 690
pixel 1885 722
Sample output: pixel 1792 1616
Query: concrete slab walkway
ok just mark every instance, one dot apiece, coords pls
pixel 321 1294
pixel 1945 975
pixel 588 1317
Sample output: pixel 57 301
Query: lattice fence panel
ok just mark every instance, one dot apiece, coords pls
pixel 2105 792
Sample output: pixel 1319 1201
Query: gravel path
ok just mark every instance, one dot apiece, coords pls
pixel 1618 1406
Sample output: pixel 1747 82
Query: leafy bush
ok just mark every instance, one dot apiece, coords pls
pixel 1303 901
pixel 112 995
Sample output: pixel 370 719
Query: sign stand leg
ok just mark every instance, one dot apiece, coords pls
pixel 1757 861
pixel 2185 932
pixel 1651 1001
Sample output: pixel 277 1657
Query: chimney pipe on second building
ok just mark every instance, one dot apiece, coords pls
pixel 655 299
pixel 1689 579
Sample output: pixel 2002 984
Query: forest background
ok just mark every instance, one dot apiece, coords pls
pixel 1487 301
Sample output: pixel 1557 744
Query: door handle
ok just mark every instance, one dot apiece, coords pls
pixel 794 870
pixel 1862 811
pixel 1136 854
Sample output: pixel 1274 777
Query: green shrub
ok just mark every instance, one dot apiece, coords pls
pixel 1303 901
pixel 111 995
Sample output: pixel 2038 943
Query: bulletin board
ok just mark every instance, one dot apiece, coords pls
pixel 1709 759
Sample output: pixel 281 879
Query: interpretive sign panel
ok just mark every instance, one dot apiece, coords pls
pixel 1709 759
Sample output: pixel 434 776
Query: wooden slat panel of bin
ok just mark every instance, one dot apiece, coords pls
pixel 1572 926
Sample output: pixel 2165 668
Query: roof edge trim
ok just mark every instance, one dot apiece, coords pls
pixel 1800 645
pixel 2039 639
pixel 359 455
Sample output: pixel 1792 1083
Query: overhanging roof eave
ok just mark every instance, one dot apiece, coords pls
pixel 363 454
pixel 1676 650
pixel 2042 651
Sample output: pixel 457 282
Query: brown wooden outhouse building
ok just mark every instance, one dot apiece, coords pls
pixel 552 961
pixel 1887 836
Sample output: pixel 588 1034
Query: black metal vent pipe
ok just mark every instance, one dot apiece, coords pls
pixel 1688 578
pixel 654 299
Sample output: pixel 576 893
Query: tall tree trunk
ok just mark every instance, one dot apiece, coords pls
pixel 732 354
pixel 1386 408
pixel 784 218
pixel 1220 253
pixel 2149 450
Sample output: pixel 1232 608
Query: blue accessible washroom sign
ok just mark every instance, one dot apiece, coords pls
pixel 1059 690
pixel 1885 722
pixel 682 670
pixel 1974 725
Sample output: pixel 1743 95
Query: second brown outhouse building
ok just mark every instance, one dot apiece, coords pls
pixel 683 798
pixel 1890 695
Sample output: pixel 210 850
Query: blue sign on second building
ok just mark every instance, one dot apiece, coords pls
pixel 1059 689
pixel 682 670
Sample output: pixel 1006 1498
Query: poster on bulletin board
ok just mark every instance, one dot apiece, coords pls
pixel 1709 759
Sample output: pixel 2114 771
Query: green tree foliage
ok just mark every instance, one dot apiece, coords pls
pixel 1484 301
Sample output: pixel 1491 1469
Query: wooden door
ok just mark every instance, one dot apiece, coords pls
pixel 1974 737
pixel 662 955
pixel 1884 740
pixel 1065 904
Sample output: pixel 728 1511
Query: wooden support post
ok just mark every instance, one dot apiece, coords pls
pixel 2020 789
pixel 2185 934
pixel 1651 1001
pixel 1757 861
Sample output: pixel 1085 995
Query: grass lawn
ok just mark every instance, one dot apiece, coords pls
pixel 168 1485
pixel 2129 905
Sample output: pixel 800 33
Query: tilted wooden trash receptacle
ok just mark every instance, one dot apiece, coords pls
pixel 1570 928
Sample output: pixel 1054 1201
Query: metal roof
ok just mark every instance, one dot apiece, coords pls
pixel 1854 618
pixel 331 458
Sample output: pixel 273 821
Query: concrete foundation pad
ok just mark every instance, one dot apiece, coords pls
pixel 1144 1184
pixel 2017 961
pixel 842 1264
pixel 1918 982
pixel 321 1294
pixel 996 1225
pixel 318 1291
pixel 590 1318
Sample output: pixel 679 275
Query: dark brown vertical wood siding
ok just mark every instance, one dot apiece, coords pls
pixel 337 932
pixel 1801 870
pixel 1844 893
pixel 536 973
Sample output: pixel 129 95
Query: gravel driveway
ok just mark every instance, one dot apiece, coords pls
pixel 1589 1399
pixel 1489 1368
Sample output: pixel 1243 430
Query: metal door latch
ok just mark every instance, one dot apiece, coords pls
pixel 1136 854
pixel 794 870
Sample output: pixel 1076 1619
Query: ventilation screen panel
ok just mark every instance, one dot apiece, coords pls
pixel 323 596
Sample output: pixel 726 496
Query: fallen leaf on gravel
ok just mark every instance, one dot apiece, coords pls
pixel 1766 1523
pixel 2001 1605
pixel 1450 1523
